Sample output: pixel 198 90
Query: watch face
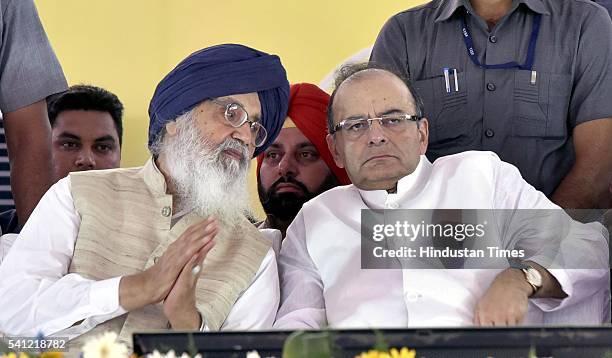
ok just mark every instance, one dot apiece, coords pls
pixel 533 276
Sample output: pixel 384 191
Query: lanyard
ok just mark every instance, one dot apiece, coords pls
pixel 528 65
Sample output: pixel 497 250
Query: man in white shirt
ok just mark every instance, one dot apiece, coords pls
pixel 378 134
pixel 165 245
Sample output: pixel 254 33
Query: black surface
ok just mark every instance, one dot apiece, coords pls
pixel 465 342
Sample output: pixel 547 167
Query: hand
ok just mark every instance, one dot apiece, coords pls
pixel 505 302
pixel 154 284
pixel 180 304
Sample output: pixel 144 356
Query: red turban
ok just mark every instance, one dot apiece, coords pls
pixel 308 110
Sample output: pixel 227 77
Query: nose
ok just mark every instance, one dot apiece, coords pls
pixel 85 160
pixel 376 134
pixel 287 166
pixel 243 134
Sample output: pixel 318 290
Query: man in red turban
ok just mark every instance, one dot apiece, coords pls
pixel 298 166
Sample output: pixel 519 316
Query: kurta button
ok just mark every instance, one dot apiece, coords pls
pixel 412 296
pixel 393 205
pixel 489 133
pixel 493 39
pixel 166 211
pixel 490 86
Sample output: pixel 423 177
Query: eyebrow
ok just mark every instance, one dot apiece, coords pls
pixel 276 146
pixel 306 144
pixel 68 135
pixel 106 138
pixel 385 113
pixel 300 146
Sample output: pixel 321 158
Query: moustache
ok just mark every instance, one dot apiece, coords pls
pixel 237 145
pixel 289 180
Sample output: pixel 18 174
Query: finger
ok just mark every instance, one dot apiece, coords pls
pixel 177 256
pixel 183 277
pixel 196 230
pixel 205 243
pixel 476 318
pixel 201 255
pixel 199 261
pixel 503 319
pixel 191 234
pixel 201 238
pixel 190 270
pixel 513 317
pixel 513 321
pixel 200 232
pixel 485 320
pixel 198 226
pixel 206 248
pixel 194 247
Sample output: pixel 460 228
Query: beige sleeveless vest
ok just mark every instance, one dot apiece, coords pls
pixel 125 225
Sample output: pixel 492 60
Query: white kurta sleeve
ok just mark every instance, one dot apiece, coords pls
pixel 256 308
pixel 37 295
pixel 580 263
pixel 302 301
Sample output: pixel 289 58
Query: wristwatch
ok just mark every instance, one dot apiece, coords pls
pixel 532 275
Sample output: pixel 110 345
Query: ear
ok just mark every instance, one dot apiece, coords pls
pixel 171 128
pixel 423 135
pixel 333 148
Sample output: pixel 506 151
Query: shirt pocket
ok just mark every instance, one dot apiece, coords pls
pixel 540 109
pixel 445 111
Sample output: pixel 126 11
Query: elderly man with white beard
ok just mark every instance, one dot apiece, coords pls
pixel 165 245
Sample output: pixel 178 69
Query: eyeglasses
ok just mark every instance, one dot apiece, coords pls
pixel 236 116
pixel 355 128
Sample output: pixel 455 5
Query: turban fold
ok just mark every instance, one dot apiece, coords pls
pixel 308 110
pixel 218 71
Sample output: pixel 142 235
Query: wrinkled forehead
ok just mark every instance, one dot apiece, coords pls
pixel 372 92
pixel 291 138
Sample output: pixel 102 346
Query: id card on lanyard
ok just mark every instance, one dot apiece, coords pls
pixel 528 65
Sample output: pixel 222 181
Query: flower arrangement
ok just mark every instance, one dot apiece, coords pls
pixel 404 352
pixel 25 355
pixel 105 346
pixel 298 345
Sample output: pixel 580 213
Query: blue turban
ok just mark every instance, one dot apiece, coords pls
pixel 219 71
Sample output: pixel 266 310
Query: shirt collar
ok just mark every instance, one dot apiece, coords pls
pixel 535 6
pixel 375 199
pixel 154 178
pixel 448 7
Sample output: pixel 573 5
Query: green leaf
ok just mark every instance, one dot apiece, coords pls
pixel 310 345
pixel 3 347
pixel 381 343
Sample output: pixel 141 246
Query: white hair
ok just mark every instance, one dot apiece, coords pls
pixel 204 178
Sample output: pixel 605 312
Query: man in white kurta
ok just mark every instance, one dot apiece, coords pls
pixel 166 245
pixel 322 280
pixel 35 286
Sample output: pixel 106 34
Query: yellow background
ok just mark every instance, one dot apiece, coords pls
pixel 128 46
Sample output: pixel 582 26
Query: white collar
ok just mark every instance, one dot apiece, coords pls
pixel 376 199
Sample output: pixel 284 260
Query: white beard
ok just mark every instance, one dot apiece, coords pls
pixel 204 178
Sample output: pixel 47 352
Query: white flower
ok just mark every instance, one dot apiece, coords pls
pixel 252 354
pixel 105 346
pixel 155 354
pixel 170 354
